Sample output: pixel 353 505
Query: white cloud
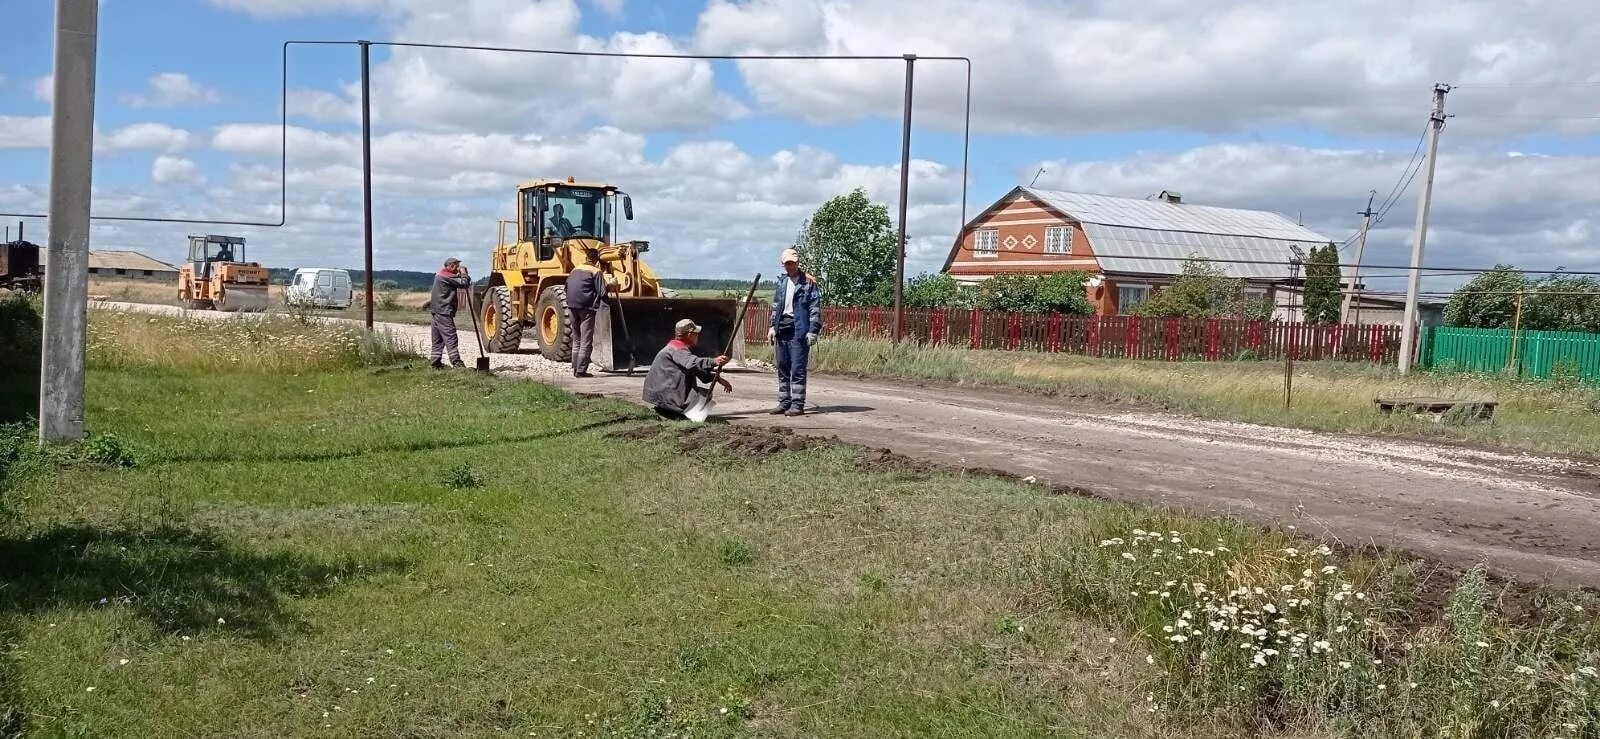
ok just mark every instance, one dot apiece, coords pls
pixel 321 105
pixel 1163 64
pixel 170 89
pixel 157 136
pixel 33 132
pixel 610 7
pixel 170 170
pixel 24 132
pixel 436 88
pixel 282 8
pixel 44 88
pixel 1488 207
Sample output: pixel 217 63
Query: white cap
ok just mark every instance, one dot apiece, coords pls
pixel 789 255
pixel 686 326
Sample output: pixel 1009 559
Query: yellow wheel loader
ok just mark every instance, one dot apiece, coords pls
pixel 557 221
pixel 218 277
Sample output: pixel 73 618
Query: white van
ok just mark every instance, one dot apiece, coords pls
pixel 319 287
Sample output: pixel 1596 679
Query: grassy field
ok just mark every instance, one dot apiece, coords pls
pixel 1556 417
pixel 326 539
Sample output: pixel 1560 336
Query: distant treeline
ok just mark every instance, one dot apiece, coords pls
pixel 400 279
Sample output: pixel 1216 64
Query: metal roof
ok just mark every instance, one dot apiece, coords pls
pixel 1155 236
pixel 130 260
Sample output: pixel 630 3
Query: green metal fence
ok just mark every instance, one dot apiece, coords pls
pixel 1540 354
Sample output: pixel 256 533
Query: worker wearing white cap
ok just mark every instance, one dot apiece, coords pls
pixel 796 322
pixel 671 381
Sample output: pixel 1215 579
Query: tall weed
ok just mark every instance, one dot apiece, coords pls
pixel 1270 631
pixel 263 343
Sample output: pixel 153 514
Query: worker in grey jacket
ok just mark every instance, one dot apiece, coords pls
pixel 586 291
pixel 673 375
pixel 442 303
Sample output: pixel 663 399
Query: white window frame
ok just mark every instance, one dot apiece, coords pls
pixel 1064 248
pixel 993 252
pixel 1122 306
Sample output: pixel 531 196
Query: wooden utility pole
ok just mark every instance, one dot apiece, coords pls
pixel 1352 306
pixel 905 190
pixel 1408 329
pixel 1295 322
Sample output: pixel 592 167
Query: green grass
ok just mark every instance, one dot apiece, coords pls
pixel 398 551
pixel 354 545
pixel 1562 418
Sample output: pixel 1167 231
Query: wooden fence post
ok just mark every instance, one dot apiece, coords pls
pixel 938 328
pixel 1052 340
pixel 974 328
pixel 1130 346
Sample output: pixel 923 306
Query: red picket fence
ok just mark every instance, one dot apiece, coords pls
pixel 1127 337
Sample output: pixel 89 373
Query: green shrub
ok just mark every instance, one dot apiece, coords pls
pixel 108 449
pixel 462 477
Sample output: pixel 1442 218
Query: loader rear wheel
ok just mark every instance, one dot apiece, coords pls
pixel 555 326
pixel 197 304
pixel 502 323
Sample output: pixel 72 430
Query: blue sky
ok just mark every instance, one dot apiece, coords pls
pixel 1241 104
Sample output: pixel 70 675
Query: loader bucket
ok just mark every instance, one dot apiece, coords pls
pixel 630 337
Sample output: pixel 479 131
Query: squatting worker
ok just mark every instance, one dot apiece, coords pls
pixel 451 279
pixel 673 375
pixel 796 321
pixel 586 290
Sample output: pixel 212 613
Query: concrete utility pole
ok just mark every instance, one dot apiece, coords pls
pixel 1408 329
pixel 1355 273
pixel 66 280
pixel 905 188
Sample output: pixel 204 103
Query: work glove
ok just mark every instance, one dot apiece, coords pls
pixel 772 336
pixel 811 339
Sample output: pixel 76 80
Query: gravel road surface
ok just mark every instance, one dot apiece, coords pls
pixel 1530 517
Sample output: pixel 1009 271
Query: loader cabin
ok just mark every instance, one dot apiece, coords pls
pixel 551 212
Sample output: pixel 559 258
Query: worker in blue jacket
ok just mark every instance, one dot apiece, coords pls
pixel 796 322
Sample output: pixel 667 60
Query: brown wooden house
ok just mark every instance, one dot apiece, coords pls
pixel 1131 246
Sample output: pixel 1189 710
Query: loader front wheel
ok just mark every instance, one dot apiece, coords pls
pixel 555 328
pixel 502 322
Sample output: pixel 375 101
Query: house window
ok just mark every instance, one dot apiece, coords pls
pixel 1058 240
pixel 1130 297
pixel 121 271
pixel 149 273
pixel 986 243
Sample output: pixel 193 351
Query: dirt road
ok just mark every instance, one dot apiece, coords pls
pixel 1529 517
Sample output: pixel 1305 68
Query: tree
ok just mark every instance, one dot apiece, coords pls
pixel 1562 303
pixel 1488 300
pixel 1062 292
pixel 1203 290
pixel 849 244
pixel 1322 297
pixel 937 291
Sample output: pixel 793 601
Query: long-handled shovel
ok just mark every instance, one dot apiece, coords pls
pixel 701 409
pixel 483 351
